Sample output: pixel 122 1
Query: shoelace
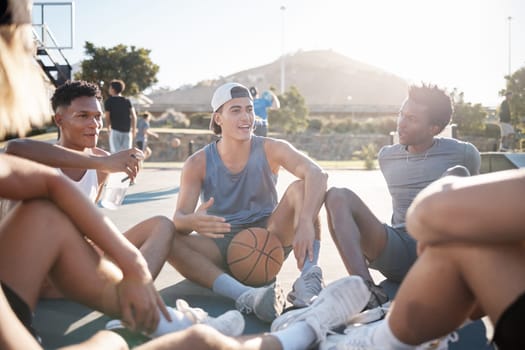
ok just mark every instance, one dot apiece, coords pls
pixel 197 315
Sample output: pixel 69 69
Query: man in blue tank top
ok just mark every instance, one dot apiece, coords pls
pixel 235 178
pixel 408 167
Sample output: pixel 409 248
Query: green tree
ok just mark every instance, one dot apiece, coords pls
pixel 291 117
pixel 516 85
pixel 132 65
pixel 469 118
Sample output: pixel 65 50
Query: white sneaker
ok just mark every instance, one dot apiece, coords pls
pixel 266 302
pixel 335 306
pixel 230 323
pixel 360 337
pixel 307 287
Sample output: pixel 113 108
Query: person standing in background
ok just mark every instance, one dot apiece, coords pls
pixel 260 108
pixel 143 130
pixel 507 130
pixel 121 118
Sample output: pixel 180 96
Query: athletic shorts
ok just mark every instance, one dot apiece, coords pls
pixel 224 242
pixel 21 309
pixel 141 145
pixel 398 256
pixel 507 332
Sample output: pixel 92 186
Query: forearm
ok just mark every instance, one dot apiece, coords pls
pixel 108 120
pixel 133 122
pixel 183 223
pixel 315 185
pixel 52 155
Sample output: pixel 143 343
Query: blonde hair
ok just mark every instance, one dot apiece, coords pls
pixel 23 97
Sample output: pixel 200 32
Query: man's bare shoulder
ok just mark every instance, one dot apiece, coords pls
pixel 196 161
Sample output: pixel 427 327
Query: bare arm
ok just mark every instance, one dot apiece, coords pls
pixel 186 218
pixel 281 153
pixel 484 208
pixel 276 104
pixel 133 122
pixel 60 157
pixel 108 120
pixel 21 179
pixel 152 133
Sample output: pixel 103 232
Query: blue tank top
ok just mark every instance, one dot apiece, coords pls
pixel 241 198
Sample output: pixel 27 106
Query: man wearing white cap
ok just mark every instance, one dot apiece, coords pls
pixel 235 178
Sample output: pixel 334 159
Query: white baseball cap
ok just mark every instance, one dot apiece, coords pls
pixel 227 92
pixel 223 94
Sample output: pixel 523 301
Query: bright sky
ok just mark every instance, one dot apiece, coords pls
pixel 460 44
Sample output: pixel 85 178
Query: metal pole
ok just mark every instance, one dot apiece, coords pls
pixel 510 71
pixel 283 8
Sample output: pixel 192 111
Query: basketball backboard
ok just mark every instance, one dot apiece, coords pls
pixel 54 23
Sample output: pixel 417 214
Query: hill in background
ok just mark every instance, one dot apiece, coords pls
pixel 323 77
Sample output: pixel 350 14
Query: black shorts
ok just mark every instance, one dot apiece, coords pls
pixel 20 308
pixel 507 333
pixel 140 145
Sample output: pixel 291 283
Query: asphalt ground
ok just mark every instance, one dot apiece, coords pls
pixel 155 193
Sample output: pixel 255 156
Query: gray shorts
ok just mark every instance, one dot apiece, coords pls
pixel 224 242
pixel 398 256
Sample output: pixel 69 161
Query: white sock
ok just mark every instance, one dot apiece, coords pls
pixel 179 321
pixel 298 336
pixel 228 286
pixel 307 263
pixel 383 338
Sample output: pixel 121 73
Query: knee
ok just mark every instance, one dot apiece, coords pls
pixel 337 197
pixel 164 226
pixel 296 188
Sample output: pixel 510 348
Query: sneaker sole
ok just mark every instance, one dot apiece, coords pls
pixel 351 284
pixel 372 315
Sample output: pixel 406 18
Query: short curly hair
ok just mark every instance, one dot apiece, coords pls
pixel 71 90
pixel 436 100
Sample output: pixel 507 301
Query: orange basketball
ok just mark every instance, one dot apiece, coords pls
pixel 255 256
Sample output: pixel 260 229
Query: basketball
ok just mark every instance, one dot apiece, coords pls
pixel 175 142
pixel 255 256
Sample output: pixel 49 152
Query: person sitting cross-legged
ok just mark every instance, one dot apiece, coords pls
pixel 235 178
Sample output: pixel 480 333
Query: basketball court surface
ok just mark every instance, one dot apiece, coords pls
pixel 62 322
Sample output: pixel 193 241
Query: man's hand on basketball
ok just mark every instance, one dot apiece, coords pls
pixel 209 225
pixel 303 244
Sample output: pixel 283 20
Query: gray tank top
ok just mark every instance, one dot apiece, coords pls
pixel 241 198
